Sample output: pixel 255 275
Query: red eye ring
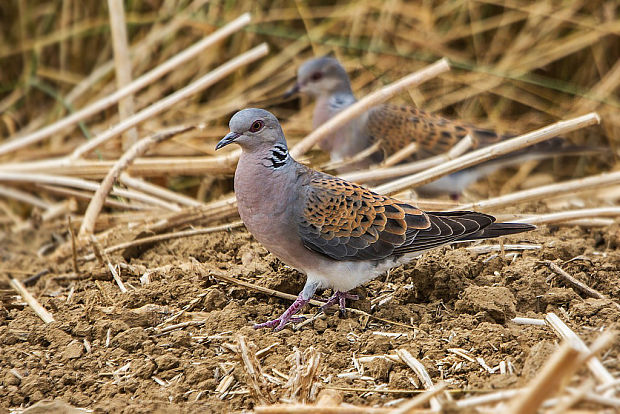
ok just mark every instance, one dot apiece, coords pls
pixel 316 76
pixel 257 125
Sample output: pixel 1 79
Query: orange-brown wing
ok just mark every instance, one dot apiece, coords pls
pixel 397 126
pixel 345 221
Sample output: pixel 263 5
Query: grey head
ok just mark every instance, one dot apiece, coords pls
pixel 253 129
pixel 321 76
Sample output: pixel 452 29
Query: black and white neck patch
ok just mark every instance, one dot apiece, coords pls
pixel 278 157
pixel 339 101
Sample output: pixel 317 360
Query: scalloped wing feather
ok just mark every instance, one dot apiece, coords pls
pixel 397 126
pixel 346 221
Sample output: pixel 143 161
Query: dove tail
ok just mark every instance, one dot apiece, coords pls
pixel 497 230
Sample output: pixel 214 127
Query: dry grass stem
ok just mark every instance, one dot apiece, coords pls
pixel 488 398
pixel 362 155
pixel 599 399
pixel 122 65
pixel 553 375
pixel 409 406
pixel 145 167
pixel 141 82
pixel 259 386
pixel 225 385
pixel 75 194
pixel 575 283
pixel 105 261
pixel 54 211
pixel 94 207
pixel 76 268
pixel 379 174
pixel 528 321
pixel 422 374
pixel 181 325
pixel 303 376
pixel 198 85
pixel 41 312
pixel 157 191
pixel 85 185
pixel 378 390
pixel 386 173
pixel 140 51
pixel 547 191
pixel 550 217
pixel 225 207
pixel 490 152
pixel 116 277
pixel 97 250
pixel 366 103
pixel 600 345
pixel 570 215
pixel 592 222
pixel 400 155
pixel 594 364
pixel 23 196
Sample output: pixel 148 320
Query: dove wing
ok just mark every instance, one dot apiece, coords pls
pixel 346 221
pixel 397 126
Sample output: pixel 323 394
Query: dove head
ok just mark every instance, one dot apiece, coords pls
pixel 322 76
pixel 252 129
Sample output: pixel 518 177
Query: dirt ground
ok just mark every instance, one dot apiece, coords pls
pixel 103 352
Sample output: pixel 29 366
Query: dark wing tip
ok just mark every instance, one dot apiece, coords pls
pixel 500 229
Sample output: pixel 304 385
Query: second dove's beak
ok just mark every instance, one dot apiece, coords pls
pixel 293 90
pixel 228 139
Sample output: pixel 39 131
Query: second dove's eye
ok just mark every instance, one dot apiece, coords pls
pixel 256 126
pixel 316 76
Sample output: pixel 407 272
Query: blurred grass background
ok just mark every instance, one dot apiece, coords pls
pixel 518 65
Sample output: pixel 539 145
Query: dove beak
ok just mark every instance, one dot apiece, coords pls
pixel 228 139
pixel 293 90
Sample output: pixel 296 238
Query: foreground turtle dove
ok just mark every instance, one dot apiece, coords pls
pixel 338 233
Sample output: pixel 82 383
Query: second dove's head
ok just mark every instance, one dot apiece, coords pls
pixel 253 128
pixel 321 76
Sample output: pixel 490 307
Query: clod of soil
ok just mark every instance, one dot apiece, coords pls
pixel 496 303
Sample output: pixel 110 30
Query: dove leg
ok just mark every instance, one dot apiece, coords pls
pixel 287 316
pixel 340 298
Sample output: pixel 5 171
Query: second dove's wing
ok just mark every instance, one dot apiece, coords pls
pixel 397 126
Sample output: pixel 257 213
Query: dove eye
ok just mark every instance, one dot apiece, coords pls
pixel 316 76
pixel 257 126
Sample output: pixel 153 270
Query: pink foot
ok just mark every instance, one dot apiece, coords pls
pixel 279 323
pixel 340 298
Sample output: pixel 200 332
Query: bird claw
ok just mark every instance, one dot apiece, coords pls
pixel 279 323
pixel 340 298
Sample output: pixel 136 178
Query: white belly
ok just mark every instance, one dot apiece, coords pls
pixel 346 275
